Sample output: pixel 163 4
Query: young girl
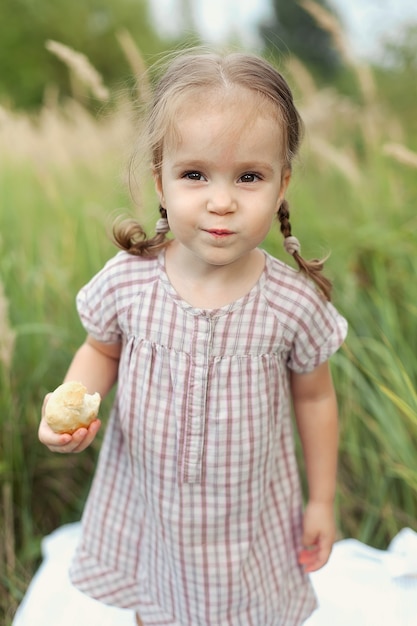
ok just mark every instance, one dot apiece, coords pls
pixel 195 513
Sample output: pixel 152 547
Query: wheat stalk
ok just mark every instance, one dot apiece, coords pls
pixel 302 77
pixel 340 160
pixel 82 68
pixel 7 334
pixel 8 530
pixel 330 23
pixel 401 154
pixel 136 62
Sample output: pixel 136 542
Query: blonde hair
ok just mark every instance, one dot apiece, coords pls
pixel 189 75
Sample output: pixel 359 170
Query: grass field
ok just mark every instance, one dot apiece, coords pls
pixel 62 181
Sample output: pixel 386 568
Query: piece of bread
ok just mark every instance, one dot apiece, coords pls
pixel 70 407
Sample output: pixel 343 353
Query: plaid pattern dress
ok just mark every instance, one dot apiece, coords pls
pixel 194 517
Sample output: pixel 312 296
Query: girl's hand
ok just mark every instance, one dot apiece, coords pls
pixel 318 536
pixel 65 443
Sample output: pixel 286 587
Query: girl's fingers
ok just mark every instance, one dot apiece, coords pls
pixel 83 437
pixel 308 556
pixel 66 443
pixel 313 558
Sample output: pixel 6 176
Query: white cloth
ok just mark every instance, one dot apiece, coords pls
pixel 360 586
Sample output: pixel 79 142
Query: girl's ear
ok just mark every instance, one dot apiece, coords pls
pixel 285 181
pixel 158 186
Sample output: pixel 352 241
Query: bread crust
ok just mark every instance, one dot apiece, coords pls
pixel 70 407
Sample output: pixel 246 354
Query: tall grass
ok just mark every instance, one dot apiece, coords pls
pixel 62 183
pixel 59 190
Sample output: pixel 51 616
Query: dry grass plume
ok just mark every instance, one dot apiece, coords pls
pixel 79 64
pixel 400 153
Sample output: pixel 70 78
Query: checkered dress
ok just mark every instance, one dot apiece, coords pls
pixel 194 517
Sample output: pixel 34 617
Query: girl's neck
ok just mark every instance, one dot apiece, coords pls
pixel 213 286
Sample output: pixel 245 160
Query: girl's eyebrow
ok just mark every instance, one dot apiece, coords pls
pixel 242 167
pixel 255 165
pixel 191 163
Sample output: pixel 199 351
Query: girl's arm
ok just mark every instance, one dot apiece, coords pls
pixel 316 414
pixel 95 364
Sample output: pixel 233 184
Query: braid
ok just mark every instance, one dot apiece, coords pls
pixel 313 268
pixel 129 235
pixel 284 219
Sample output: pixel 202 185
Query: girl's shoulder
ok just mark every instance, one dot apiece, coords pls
pixel 284 283
pixel 103 299
pixel 132 262
pixel 124 269
pixel 292 295
pixel 313 327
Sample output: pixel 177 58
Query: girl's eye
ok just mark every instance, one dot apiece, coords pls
pixel 193 176
pixel 249 177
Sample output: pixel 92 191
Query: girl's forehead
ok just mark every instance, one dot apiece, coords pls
pixel 237 107
pixel 228 135
pixel 241 100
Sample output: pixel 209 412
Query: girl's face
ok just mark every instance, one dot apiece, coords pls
pixel 222 180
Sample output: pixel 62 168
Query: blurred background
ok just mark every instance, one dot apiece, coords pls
pixel 72 81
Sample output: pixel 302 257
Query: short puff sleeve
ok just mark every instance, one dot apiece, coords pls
pixel 321 330
pixel 97 305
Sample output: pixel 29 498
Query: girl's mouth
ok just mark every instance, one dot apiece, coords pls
pixel 219 232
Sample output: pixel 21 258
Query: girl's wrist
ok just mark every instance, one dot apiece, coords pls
pixel 321 501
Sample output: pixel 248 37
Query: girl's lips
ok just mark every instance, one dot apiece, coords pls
pixel 219 232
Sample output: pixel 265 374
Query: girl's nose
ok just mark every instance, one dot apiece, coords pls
pixel 221 200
